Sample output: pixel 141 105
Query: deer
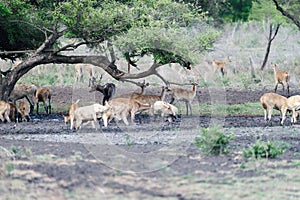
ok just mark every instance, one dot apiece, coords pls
pixel 121 107
pixel 151 98
pixel 293 104
pixel 220 65
pixel 79 71
pixel 163 108
pixel 281 77
pixel 14 113
pixel 270 101
pixel 108 89
pixel 4 111
pixel 24 110
pixel 183 94
pixel 70 117
pixel 24 90
pixel 88 113
pixel 43 94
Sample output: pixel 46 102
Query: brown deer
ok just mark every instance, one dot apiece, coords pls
pixel 220 65
pixel 4 111
pixel 70 118
pixel 186 95
pixel 79 71
pixel 24 90
pixel 14 113
pixel 120 108
pixel 270 101
pixel 281 77
pixel 108 89
pixel 42 95
pixel 23 110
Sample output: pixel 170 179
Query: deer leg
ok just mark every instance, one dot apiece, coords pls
pixel 6 115
pixel 190 105
pixel 124 117
pixel 222 71
pixel 37 108
pixel 30 103
pixel 276 87
pixel 46 108
pixel 283 113
pixel 172 100
pixel 287 87
pixel 49 105
pixel 187 108
pixel 269 114
pixel 72 123
pixel 265 115
pixel 1 117
pixel 78 124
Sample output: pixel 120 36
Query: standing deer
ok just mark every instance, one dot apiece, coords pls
pixel 79 71
pixel 270 101
pixel 281 77
pixel 220 65
pixel 186 95
pixel 108 89
pixel 41 95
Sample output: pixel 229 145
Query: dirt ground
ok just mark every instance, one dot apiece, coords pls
pixel 43 159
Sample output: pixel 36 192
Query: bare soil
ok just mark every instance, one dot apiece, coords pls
pixel 150 159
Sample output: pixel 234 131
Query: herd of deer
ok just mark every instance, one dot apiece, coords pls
pixel 120 107
pixel 18 109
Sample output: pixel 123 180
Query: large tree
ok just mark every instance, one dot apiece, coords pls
pixel 37 31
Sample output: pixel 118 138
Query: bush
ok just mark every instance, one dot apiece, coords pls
pixel 263 149
pixel 213 141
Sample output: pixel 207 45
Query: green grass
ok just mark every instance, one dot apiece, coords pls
pixel 236 109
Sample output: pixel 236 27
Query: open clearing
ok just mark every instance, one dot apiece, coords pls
pixel 43 159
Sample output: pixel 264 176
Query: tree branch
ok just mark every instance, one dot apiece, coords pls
pixel 288 15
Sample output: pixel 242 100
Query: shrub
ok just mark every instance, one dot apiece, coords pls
pixel 213 141
pixel 263 149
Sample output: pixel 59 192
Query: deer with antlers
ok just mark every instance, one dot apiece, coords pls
pixel 220 65
pixel 281 77
pixel 108 89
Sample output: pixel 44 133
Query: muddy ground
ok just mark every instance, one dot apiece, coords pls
pixel 150 159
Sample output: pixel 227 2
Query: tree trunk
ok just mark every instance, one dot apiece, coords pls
pixel 271 38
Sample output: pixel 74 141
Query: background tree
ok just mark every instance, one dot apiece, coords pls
pixel 224 11
pixel 289 9
pixel 152 27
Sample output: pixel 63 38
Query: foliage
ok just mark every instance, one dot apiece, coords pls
pixel 213 141
pixel 264 11
pixel 18 25
pixel 263 149
pixel 166 44
pixel 225 10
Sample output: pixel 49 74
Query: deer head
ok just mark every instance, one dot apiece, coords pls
pixel 94 85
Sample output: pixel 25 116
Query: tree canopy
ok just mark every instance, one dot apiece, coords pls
pixel 168 31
